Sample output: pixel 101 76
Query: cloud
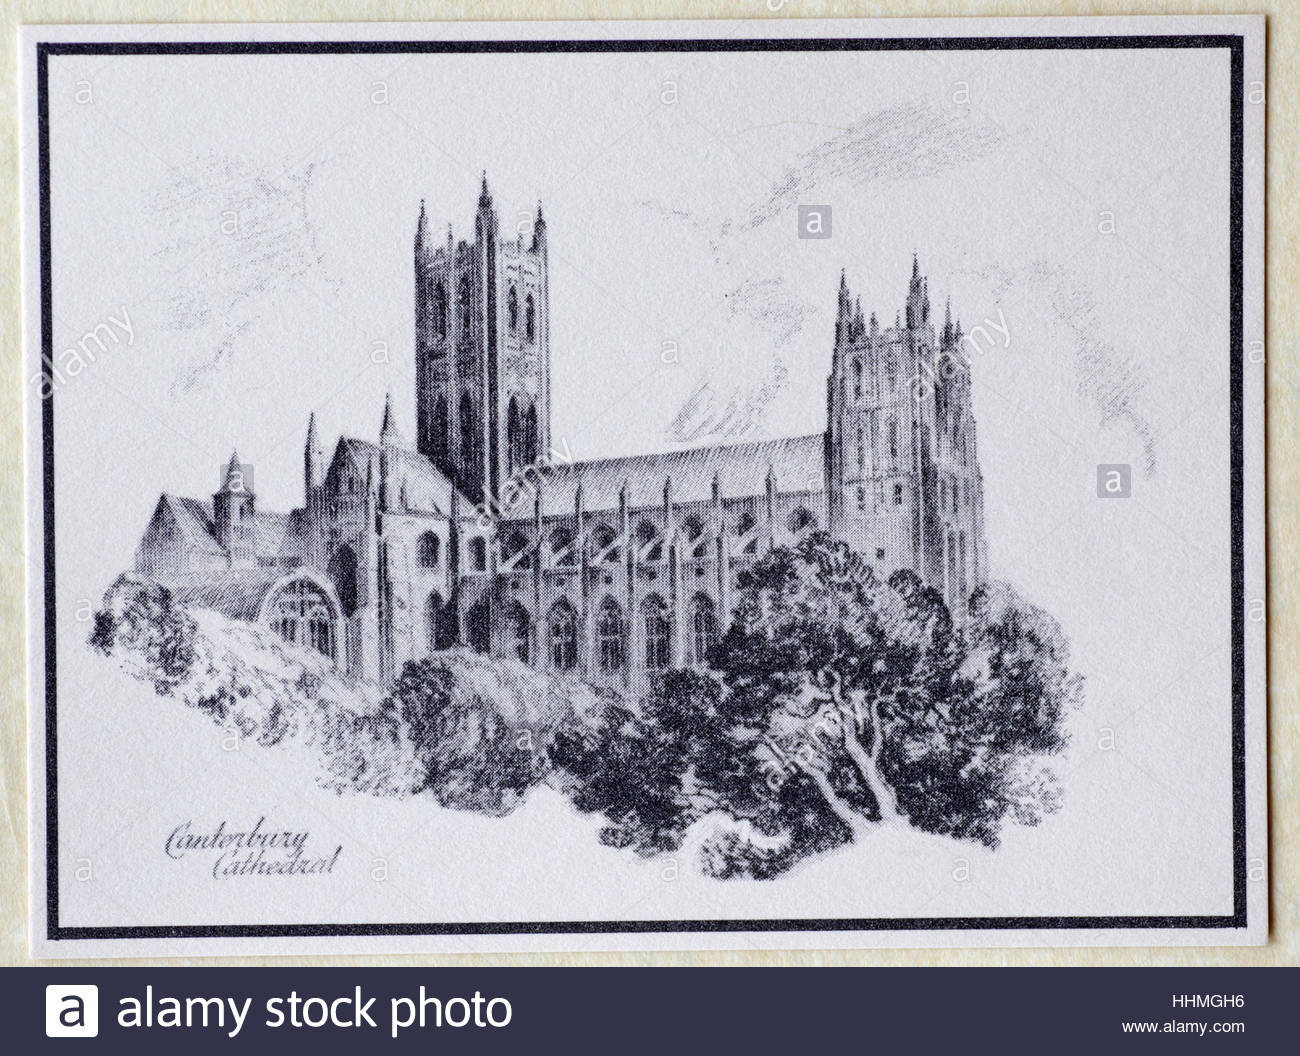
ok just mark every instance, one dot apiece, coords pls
pixel 232 237
pixel 1114 384
pixel 910 141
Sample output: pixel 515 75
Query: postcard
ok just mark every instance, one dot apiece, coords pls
pixel 570 486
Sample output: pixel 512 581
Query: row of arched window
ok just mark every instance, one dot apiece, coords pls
pixel 610 647
pixel 464 302
pixel 891 436
pixel 953 495
pixel 890 379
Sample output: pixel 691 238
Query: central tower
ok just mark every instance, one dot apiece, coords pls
pixel 482 352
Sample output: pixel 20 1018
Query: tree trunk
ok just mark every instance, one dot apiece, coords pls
pixel 868 763
pixel 855 821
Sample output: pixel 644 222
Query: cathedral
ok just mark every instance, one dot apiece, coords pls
pixel 611 570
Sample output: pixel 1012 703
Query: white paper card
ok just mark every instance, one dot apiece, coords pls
pixel 641 485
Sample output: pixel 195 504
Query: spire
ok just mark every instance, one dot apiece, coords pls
pixel 539 230
pixel 484 198
pixel 916 298
pixel 388 433
pixel 947 321
pixel 421 229
pixel 234 482
pixel 312 460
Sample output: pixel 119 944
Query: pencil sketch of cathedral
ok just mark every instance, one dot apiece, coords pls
pixel 611 569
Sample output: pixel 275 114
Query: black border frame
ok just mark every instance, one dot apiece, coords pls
pixel 1237 919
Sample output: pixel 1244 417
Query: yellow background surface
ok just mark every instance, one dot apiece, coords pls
pixel 1283 370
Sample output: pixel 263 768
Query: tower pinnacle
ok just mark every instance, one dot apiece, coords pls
pixel 388 433
pixel 421 228
pixel 234 482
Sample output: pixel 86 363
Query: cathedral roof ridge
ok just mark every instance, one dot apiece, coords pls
pixel 742 468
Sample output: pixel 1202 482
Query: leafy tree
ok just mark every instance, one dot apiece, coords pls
pixel 837 702
pixel 141 617
pixel 474 759
pixel 638 767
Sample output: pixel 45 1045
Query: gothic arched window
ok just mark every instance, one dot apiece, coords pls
pixel 521 628
pixel 610 636
pixel 563 626
pixel 800 518
pixel 517 543
pixel 645 536
pixel 891 371
pixel 512 437
pixel 301 614
pixel 429 550
pixel 530 437
pixel 530 318
pixel 654 614
pixel 893 439
pixel 468 433
pixel 463 304
pixel 561 547
pixel 862 450
pixel 704 628
pixel 743 527
pixel 693 530
pixel 512 309
pixel 439 310
pixel 602 540
pixel 478 554
pixel 857 379
pixel 440 428
pixel 898 494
